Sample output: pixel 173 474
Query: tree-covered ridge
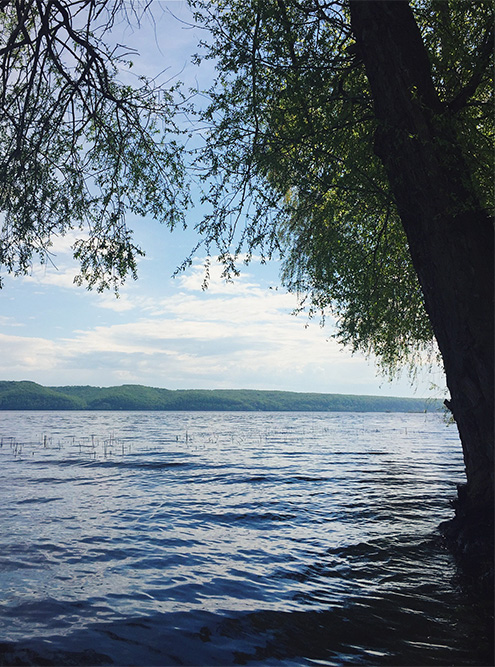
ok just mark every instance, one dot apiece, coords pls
pixel 31 396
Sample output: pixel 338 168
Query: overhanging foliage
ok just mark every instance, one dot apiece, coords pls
pixel 290 162
pixel 79 149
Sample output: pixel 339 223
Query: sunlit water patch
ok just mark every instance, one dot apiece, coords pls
pixel 225 538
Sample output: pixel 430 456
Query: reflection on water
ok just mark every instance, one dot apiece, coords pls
pixel 221 538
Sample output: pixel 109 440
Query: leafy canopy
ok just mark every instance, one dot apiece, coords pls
pixel 290 152
pixel 287 162
pixel 79 149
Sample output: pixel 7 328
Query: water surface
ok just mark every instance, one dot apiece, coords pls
pixel 229 538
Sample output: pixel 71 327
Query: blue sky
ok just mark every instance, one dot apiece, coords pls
pixel 167 332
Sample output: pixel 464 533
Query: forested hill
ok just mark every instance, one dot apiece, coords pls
pixel 31 396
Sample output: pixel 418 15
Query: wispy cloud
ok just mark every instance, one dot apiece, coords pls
pixel 6 321
pixel 52 276
pixel 232 335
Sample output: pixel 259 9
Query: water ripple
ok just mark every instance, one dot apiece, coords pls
pixel 220 538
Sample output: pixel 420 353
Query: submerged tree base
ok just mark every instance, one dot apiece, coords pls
pixel 469 536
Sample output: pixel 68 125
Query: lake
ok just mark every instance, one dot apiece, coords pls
pixel 216 538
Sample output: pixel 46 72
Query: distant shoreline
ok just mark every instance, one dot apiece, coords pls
pixel 25 395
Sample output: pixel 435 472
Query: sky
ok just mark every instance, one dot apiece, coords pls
pixel 168 332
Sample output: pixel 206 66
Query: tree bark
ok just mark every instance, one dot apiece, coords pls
pixel 450 237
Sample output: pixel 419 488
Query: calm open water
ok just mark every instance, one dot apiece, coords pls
pixel 229 538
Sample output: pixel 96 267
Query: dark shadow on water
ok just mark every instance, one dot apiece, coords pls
pixel 362 632
pixel 405 615
pixel 13 654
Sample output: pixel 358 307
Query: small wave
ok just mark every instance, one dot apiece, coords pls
pixel 140 465
pixel 38 501
pixel 311 546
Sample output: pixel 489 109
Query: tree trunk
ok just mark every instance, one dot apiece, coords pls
pixel 450 237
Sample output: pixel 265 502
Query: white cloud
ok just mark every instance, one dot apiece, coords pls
pixel 190 337
pixel 52 276
pixel 233 336
pixel 194 279
pixel 119 304
pixel 6 321
pixel 23 354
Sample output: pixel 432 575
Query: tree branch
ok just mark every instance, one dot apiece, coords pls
pixel 482 63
